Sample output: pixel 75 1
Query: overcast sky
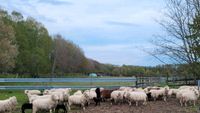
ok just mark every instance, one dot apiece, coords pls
pixel 109 31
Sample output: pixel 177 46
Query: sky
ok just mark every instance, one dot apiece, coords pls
pixel 110 31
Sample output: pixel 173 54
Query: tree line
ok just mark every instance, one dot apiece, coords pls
pixel 26 48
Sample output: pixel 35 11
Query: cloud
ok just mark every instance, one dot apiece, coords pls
pixel 111 31
pixel 119 54
pixel 126 24
pixel 55 2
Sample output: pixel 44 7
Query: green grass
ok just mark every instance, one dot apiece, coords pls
pixel 71 84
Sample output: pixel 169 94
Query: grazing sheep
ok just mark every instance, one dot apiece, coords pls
pixel 80 99
pixel 63 97
pixel 32 92
pixel 161 92
pixel 45 104
pixel 97 99
pixel 184 87
pixel 78 92
pixel 30 106
pixel 126 89
pixel 34 97
pixel 172 92
pixel 147 89
pixel 187 94
pixel 105 94
pixel 91 94
pixel 136 97
pixel 190 96
pixel 8 105
pixel 117 96
pixel 63 90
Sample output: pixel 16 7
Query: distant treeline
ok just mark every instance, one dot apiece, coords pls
pixel 26 48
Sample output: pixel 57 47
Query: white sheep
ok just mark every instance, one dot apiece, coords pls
pixel 8 105
pixel 91 94
pixel 34 97
pixel 45 104
pixel 117 95
pixel 64 90
pixel 190 96
pixel 126 89
pixel 63 96
pixel 161 92
pixel 136 97
pixel 32 92
pixel 187 94
pixel 80 99
pixel 78 92
pixel 172 92
pixel 184 87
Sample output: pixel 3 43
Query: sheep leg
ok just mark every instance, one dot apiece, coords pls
pixel 194 103
pixel 34 110
pixel 136 103
pixel 154 98
pixel 129 103
pixel 165 99
pixel 50 110
pixel 185 103
pixel 82 104
pixel 69 108
pixel 144 103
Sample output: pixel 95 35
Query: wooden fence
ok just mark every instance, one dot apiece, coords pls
pixel 171 81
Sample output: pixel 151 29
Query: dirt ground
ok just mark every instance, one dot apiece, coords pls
pixel 171 106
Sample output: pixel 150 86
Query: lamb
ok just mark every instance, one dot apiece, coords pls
pixel 117 96
pixel 8 105
pixel 32 92
pixel 80 99
pixel 161 92
pixel 45 104
pixel 136 96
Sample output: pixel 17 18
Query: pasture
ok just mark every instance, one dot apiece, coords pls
pixel 159 106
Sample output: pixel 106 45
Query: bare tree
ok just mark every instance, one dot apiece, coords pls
pixel 8 48
pixel 178 43
pixel 67 57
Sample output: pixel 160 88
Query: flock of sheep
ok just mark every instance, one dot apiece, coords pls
pixel 55 99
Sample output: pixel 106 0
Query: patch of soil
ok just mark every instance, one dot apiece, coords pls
pixel 171 106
